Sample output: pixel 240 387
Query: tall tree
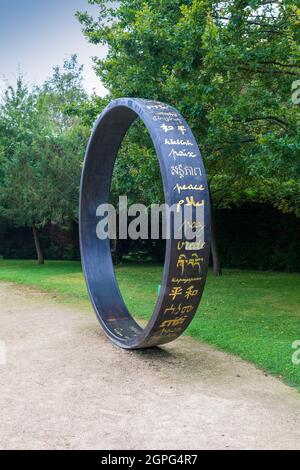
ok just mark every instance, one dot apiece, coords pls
pixel 41 150
pixel 229 68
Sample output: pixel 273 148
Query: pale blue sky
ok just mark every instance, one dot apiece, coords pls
pixel 35 35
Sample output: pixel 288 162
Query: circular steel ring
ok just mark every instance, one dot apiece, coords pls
pixel 185 183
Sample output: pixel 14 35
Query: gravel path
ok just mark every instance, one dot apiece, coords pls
pixel 65 386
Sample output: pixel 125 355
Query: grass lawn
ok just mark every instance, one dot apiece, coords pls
pixel 255 315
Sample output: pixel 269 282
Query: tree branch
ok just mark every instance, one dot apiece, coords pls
pixel 271 71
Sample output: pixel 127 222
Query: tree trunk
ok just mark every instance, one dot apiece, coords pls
pixel 114 252
pixel 217 270
pixel 38 247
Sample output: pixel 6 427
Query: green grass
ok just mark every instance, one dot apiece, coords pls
pixel 255 315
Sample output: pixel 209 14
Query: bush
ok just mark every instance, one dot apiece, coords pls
pixel 251 237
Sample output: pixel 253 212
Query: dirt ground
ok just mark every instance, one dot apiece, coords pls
pixel 65 386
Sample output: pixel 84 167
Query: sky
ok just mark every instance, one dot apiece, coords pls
pixel 36 35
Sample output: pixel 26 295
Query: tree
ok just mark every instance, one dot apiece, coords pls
pixel 41 150
pixel 20 127
pixel 229 68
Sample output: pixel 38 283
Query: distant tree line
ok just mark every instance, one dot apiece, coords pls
pixel 42 142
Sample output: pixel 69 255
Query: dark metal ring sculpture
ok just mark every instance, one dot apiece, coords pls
pixel 186 265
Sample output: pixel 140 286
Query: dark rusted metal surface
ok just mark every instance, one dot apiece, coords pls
pixel 185 269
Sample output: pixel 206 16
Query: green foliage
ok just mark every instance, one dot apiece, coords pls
pixel 63 94
pixel 41 149
pixel 136 173
pixel 229 68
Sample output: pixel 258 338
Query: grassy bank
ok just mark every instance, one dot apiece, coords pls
pixel 255 315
